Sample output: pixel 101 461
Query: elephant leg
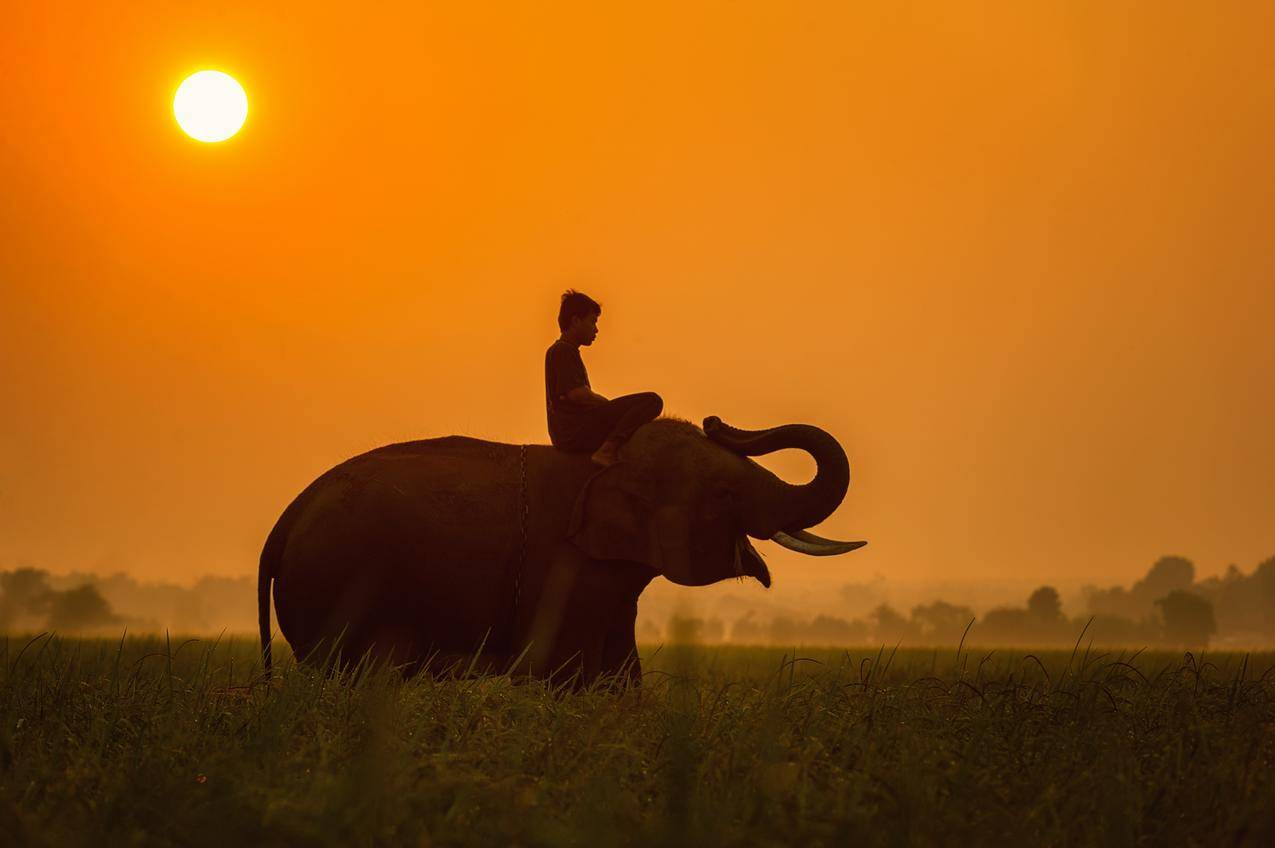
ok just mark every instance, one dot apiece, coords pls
pixel 621 664
pixel 620 660
pixel 587 651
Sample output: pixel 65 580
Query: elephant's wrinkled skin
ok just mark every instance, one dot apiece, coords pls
pixel 416 551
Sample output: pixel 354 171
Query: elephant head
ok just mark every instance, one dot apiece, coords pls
pixel 685 500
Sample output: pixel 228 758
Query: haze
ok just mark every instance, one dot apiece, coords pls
pixel 1016 258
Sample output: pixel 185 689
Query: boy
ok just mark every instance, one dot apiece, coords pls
pixel 580 419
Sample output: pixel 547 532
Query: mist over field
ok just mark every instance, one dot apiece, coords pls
pixel 1170 606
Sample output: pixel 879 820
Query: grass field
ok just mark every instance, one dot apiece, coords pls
pixel 148 742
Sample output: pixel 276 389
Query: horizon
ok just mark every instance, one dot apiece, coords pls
pixel 1068 585
pixel 829 612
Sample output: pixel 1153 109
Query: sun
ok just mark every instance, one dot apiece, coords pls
pixel 210 106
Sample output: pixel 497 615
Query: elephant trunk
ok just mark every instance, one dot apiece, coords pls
pixel 789 508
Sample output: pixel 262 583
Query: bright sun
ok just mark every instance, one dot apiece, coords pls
pixel 210 106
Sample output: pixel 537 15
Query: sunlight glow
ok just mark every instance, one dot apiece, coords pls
pixel 210 106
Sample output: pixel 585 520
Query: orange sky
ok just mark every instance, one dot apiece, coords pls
pixel 1016 258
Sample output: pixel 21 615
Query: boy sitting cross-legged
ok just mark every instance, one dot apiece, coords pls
pixel 580 419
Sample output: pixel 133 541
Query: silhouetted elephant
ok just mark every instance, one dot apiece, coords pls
pixel 428 550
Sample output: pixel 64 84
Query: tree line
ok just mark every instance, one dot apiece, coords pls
pixel 1167 608
pixel 33 600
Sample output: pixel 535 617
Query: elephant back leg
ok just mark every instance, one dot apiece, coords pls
pixel 369 570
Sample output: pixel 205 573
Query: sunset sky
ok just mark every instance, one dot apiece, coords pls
pixel 1016 257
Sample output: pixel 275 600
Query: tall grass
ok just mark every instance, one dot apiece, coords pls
pixel 155 741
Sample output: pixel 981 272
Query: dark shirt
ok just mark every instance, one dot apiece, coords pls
pixel 564 371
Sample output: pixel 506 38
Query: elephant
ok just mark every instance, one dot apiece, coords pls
pixel 527 559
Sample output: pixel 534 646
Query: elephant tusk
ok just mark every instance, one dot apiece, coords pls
pixel 808 543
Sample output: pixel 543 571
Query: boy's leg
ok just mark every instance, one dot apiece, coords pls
pixel 632 411
pixel 607 425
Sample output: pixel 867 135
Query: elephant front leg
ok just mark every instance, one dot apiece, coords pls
pixel 620 661
pixel 604 654
pixel 582 624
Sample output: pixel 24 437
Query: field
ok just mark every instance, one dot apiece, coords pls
pixel 152 742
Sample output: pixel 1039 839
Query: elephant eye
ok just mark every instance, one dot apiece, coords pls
pixel 721 500
pixel 723 493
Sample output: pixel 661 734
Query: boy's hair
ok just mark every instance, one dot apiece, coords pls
pixel 576 305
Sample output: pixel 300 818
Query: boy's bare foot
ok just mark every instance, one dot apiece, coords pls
pixel 606 455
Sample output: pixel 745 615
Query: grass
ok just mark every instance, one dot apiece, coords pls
pixel 144 741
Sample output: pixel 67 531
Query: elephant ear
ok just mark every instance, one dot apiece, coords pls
pixel 612 515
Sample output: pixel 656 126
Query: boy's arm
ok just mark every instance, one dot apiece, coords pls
pixel 563 370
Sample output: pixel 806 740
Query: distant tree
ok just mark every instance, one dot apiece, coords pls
pixel 830 630
pixel 1241 612
pixel 941 623
pixel 1188 618
pixel 1168 574
pixel 1265 572
pixel 889 626
pixel 1243 602
pixel 24 598
pixel 80 609
pixel 1045 605
pixel 1003 626
pixel 1116 630
pixel 1115 601
pixel 1262 597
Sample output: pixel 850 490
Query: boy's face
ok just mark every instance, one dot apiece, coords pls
pixel 585 330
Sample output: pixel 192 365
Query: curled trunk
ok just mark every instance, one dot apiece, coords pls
pixel 787 507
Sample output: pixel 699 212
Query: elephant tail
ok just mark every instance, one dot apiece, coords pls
pixel 264 575
pixel 271 553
